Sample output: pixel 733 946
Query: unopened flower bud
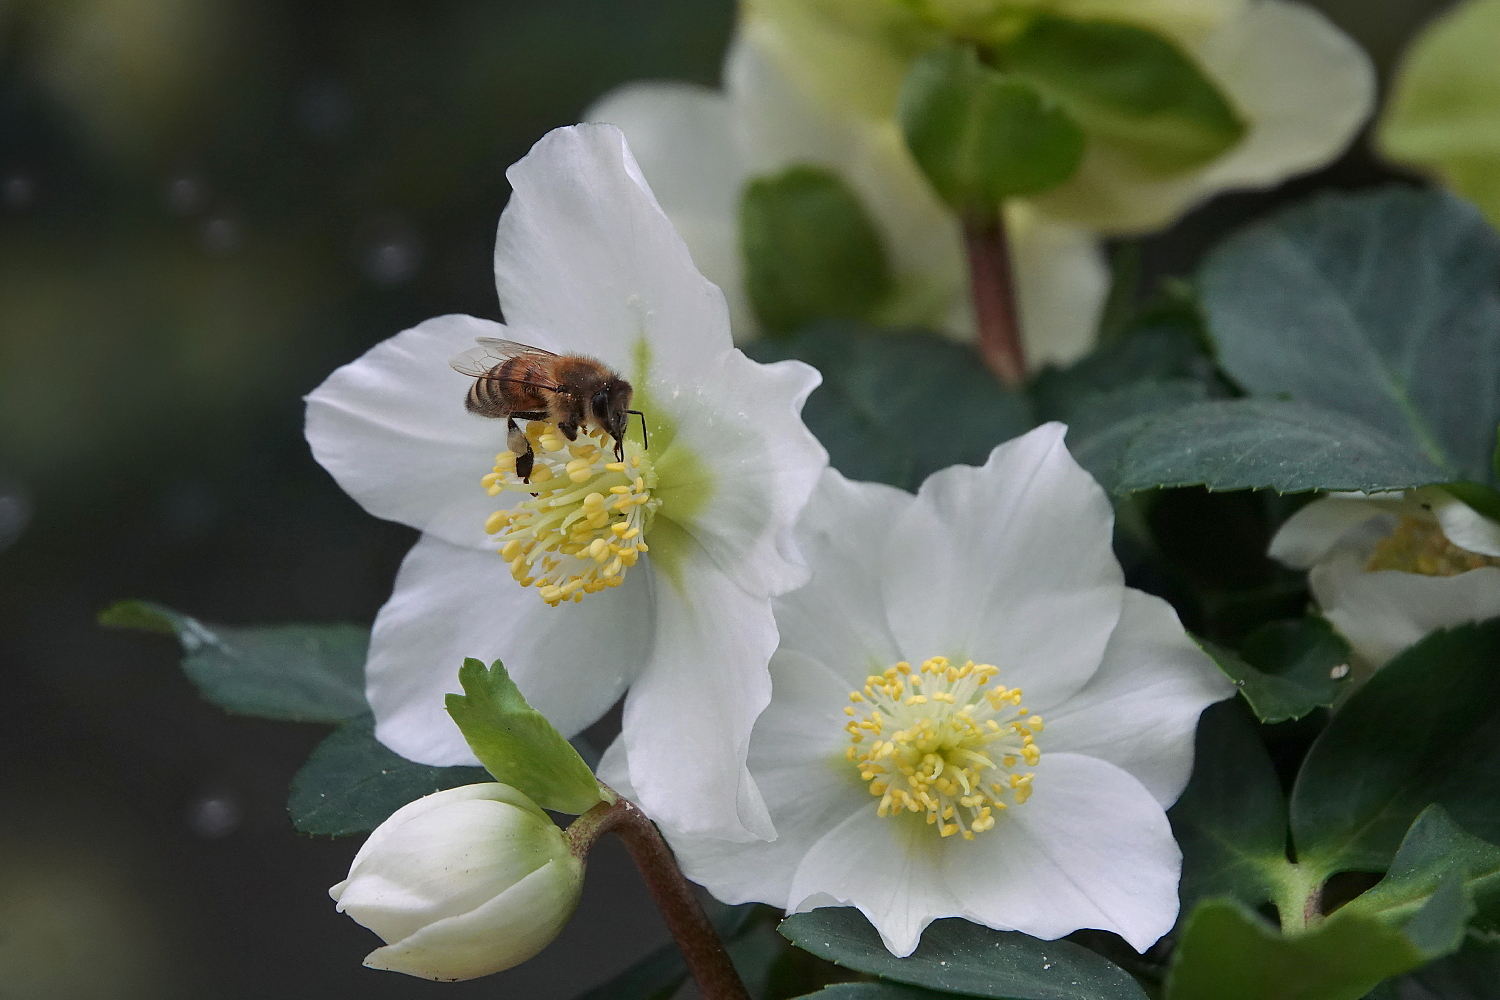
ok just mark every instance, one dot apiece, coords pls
pixel 462 883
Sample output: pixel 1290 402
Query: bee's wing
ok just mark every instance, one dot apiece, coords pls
pixel 477 361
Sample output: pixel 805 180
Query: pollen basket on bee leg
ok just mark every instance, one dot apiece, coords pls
pixel 584 522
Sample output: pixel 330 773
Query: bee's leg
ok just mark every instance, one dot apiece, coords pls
pixel 521 448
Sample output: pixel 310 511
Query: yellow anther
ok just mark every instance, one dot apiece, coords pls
pixel 565 537
pixel 946 745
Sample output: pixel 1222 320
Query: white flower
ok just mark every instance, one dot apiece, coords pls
pixel 462 883
pixel 586 262
pixel 1387 569
pixel 698 148
pixel 816 81
pixel 905 770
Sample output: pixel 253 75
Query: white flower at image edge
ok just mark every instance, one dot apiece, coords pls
pixel 1387 569
pixel 971 714
pixel 462 883
pixel 587 263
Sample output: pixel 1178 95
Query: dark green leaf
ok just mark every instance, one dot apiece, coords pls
pixel 1472 974
pixel 517 744
pixel 1101 425
pixel 659 974
pixel 956 956
pixel 1134 90
pixel 1437 929
pixel 1235 444
pixel 873 991
pixel 1286 669
pixel 1383 305
pixel 1425 729
pixel 981 136
pixel 1435 852
pixel 1231 819
pixel 810 250
pixel 1161 354
pixel 1228 953
pixel 352 782
pixel 305 673
pixel 895 408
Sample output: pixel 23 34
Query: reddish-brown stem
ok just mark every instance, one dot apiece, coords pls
pixel 699 943
pixel 994 289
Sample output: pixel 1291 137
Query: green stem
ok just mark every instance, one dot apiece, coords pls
pixel 1299 898
pixel 704 953
pixel 992 283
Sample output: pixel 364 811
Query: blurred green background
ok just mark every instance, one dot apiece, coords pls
pixel 206 206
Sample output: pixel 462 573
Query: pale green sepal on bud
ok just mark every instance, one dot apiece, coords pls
pixel 462 883
pixel 811 250
pixel 517 744
pixel 981 136
pixel 1131 89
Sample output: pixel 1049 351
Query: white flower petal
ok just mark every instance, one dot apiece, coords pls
pixel 749 465
pixel 1090 848
pixel 688 716
pixel 583 249
pixel 681 136
pixel 1314 531
pixel 385 832
pixel 1382 613
pixel 1463 525
pixel 796 757
pixel 571 662
pixel 504 932
pixel 1139 712
pixel 1302 84
pixel 443 863
pixel 839 618
pixel 890 868
pixel 392 429
pixel 1009 564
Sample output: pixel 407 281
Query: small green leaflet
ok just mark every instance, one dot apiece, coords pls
pixel 517 744
pixel 1425 729
pixel 302 673
pixel 1286 669
pixel 1226 952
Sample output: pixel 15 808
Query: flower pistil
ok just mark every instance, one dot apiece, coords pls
pixel 926 742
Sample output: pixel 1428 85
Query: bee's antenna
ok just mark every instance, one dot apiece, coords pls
pixel 645 438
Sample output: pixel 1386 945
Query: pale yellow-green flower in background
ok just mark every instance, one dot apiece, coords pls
pixel 816 82
pixel 1444 111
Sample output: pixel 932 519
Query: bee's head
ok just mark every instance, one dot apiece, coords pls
pixel 610 407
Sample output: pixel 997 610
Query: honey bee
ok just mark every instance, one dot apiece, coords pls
pixel 515 380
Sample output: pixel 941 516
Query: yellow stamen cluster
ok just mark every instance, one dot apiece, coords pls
pixel 936 741
pixel 586 521
pixel 1419 546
